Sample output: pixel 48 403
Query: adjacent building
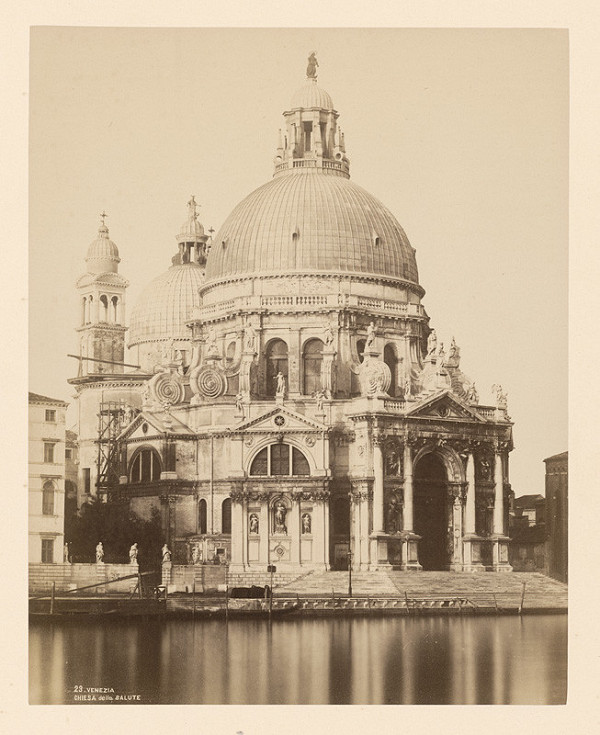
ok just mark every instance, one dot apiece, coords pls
pixel 557 518
pixel 289 402
pixel 46 478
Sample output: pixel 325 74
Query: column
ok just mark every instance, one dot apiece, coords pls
pixel 326 530
pixel 243 532
pixel 407 516
pixel 296 530
pixel 263 528
pixel 499 495
pixel 377 486
pixel 237 529
pixel 470 504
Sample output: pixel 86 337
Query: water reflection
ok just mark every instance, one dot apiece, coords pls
pixel 436 660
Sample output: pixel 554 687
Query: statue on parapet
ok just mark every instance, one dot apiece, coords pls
pixel 431 343
pixel 133 554
pixel 311 69
pixel 166 554
pixel 99 553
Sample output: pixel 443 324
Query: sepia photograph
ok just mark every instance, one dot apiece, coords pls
pixel 298 329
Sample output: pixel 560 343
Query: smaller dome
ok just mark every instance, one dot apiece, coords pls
pixel 311 95
pixel 102 255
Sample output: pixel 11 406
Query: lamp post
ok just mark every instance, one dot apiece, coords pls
pixel 349 574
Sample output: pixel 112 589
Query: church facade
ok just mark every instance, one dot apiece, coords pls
pixel 290 404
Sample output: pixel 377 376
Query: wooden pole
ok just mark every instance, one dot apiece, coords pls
pixel 522 599
pixel 406 598
pixel 140 585
pixel 226 603
pixel 52 598
pixel 194 596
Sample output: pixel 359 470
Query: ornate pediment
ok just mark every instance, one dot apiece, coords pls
pixel 147 425
pixel 280 419
pixel 444 406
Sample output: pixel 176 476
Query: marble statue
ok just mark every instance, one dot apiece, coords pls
pixel 253 523
pixel 328 333
pixel 431 343
pixel 306 523
pixel 370 336
pixel 66 553
pixel 407 389
pixel 250 338
pixel 195 555
pixel 320 395
pixel 133 554
pixel 239 406
pixel 192 208
pixel 99 553
pixel 393 511
pixel 473 395
pixel 311 69
pixel 280 390
pixel 501 397
pixel 166 554
pixel 280 515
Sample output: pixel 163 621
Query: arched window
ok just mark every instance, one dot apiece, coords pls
pixel 226 516
pixel 277 362
pixel 280 460
pixel 202 525
pixel 104 308
pixel 84 310
pixel 360 348
pixel 115 304
pixel 90 309
pixel 390 359
pixel 230 353
pixel 145 467
pixel 312 361
pixel 48 498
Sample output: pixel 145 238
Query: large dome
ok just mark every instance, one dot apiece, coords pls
pixel 311 221
pixel 166 304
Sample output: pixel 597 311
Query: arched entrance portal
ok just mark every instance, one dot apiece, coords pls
pixel 431 512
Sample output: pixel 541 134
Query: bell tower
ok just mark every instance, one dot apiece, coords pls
pixel 102 308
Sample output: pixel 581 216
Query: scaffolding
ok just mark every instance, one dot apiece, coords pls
pixel 112 417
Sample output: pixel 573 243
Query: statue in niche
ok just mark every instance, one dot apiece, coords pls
pixel 133 554
pixel 306 523
pixel 99 553
pixel 195 554
pixel 250 335
pixel 484 467
pixel 280 516
pixel 431 343
pixel 311 69
pixel 370 336
pixel 253 523
pixel 166 554
pixel 392 462
pixel 393 515
pixel 280 388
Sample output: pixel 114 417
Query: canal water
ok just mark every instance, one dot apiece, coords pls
pixel 394 660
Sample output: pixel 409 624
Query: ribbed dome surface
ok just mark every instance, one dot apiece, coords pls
pixel 165 305
pixel 311 95
pixel 309 221
pixel 190 231
pixel 102 254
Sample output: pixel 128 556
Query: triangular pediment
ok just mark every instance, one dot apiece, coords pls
pixel 282 419
pixel 444 406
pixel 155 424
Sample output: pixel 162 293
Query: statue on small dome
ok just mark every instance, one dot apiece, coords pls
pixel 192 208
pixel 311 69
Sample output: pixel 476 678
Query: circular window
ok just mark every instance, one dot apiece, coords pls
pixel 279 420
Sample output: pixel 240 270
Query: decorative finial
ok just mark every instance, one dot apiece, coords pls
pixel 103 216
pixel 192 208
pixel 311 69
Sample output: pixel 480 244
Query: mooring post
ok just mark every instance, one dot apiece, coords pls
pixel 52 598
pixel 140 585
pixel 406 598
pixel 522 599
pixel 194 596
pixel 226 603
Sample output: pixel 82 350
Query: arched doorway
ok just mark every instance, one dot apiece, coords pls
pixel 431 512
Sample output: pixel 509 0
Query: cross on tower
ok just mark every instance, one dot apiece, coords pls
pixel 103 216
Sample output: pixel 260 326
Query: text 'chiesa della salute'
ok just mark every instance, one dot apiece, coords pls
pixel 284 399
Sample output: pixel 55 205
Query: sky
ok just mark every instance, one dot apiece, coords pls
pixel 462 133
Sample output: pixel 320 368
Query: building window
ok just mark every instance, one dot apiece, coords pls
pixel 277 460
pixel 87 484
pixel 277 362
pixel 312 361
pixel 145 467
pixel 47 551
pixel 51 415
pixel 68 453
pixel 104 311
pixel 390 359
pixel 48 498
pixel 48 452
pixel 202 516
pixel 226 516
pixel 307 135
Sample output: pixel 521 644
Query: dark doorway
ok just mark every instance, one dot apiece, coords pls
pixel 431 512
pixel 339 526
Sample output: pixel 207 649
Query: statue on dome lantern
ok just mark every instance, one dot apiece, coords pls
pixel 192 208
pixel 311 69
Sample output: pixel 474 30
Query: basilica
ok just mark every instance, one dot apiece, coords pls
pixel 284 400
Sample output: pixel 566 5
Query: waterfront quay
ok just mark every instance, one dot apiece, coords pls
pixel 317 594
